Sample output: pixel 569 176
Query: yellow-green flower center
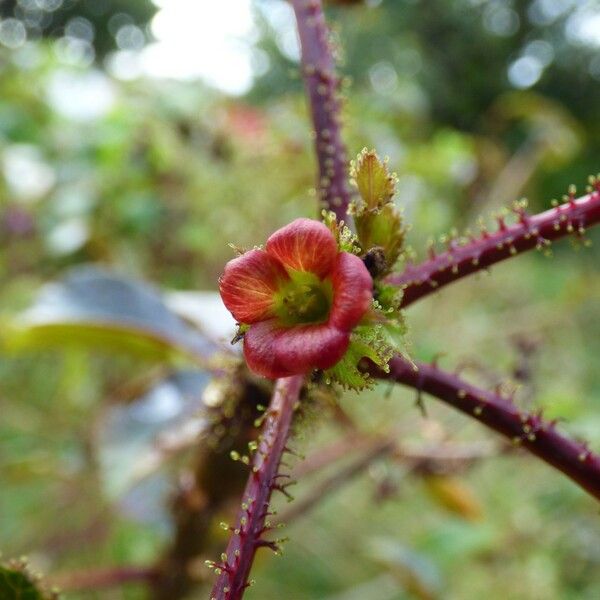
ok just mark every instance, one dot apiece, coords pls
pixel 303 299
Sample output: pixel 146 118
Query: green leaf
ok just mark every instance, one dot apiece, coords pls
pixel 388 313
pixel 346 371
pixel 97 309
pixel 367 341
pixel 17 583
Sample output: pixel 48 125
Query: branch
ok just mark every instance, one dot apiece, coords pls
pixel 252 524
pixel 106 577
pixel 529 232
pixel 379 448
pixel 355 442
pixel 437 458
pixel 529 430
pixel 442 458
pixel 321 82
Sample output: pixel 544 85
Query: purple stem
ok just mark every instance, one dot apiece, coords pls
pixel 526 429
pixel 252 524
pixel 529 232
pixel 321 82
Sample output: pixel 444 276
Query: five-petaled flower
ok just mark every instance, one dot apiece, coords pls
pixel 301 298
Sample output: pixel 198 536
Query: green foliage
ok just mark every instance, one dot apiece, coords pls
pixel 408 57
pixel 95 309
pixel 105 18
pixel 366 342
pixel 18 583
pixel 99 337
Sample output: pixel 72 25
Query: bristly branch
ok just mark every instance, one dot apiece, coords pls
pixel 252 521
pixel 531 231
pixel 322 83
pixel 526 429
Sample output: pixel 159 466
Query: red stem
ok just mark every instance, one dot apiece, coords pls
pixel 321 82
pixel 529 430
pixel 247 534
pixel 490 248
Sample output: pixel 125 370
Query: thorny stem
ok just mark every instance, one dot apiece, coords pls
pixel 321 82
pixel 536 231
pixel 526 429
pixel 252 521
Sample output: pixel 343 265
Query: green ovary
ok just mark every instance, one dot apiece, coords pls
pixel 304 299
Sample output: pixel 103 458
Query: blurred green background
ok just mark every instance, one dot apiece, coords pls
pixel 143 138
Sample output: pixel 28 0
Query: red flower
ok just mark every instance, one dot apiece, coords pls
pixel 301 297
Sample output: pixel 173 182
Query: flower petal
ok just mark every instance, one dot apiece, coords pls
pixel 304 348
pixel 304 245
pixel 352 291
pixel 259 350
pixel 248 284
